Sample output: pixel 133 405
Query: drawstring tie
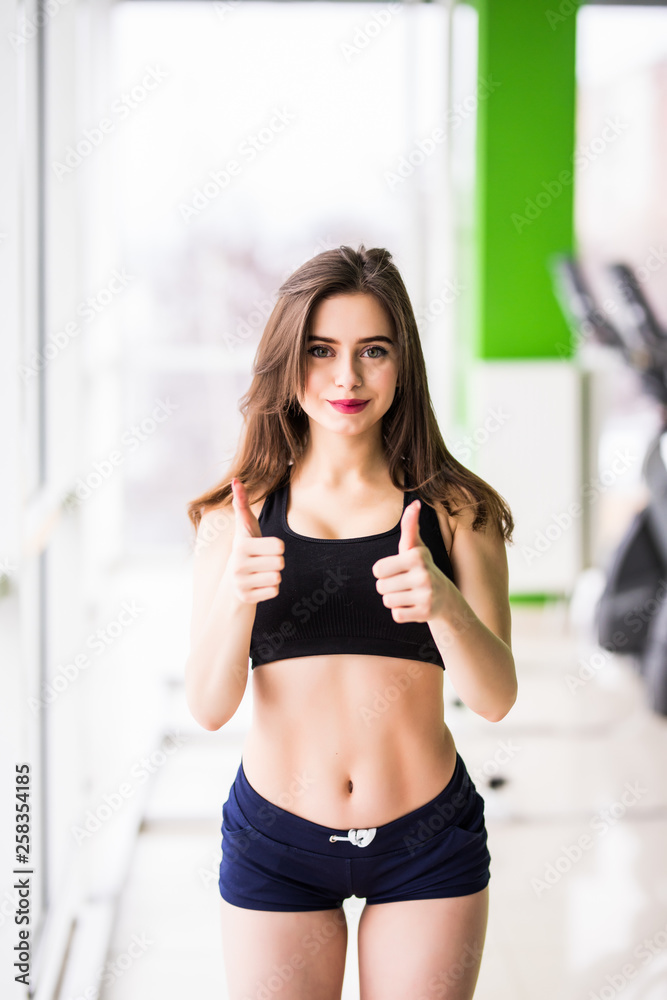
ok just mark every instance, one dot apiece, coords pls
pixel 359 837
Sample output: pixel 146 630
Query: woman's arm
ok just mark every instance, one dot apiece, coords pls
pixel 472 628
pixel 469 620
pixel 216 671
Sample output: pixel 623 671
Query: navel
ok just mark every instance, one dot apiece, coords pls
pixel 350 786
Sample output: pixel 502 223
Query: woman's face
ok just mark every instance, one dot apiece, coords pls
pixel 352 354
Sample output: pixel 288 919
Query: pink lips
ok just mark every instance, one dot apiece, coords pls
pixel 348 406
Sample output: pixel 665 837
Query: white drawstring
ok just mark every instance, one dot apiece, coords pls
pixel 359 837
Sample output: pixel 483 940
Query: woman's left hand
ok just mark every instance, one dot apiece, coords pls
pixel 410 582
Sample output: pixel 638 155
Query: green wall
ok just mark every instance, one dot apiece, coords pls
pixel 524 192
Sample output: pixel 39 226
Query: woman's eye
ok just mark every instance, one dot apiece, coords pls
pixel 373 347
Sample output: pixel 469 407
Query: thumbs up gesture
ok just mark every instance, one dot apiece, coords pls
pixel 247 524
pixel 255 563
pixel 410 582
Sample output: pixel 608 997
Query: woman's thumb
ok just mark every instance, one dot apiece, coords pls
pixel 246 522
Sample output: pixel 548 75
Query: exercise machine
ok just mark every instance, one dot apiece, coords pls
pixel 631 613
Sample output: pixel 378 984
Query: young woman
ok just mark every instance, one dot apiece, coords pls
pixel 352 559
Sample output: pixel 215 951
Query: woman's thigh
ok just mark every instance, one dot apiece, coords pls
pixel 423 949
pixel 290 954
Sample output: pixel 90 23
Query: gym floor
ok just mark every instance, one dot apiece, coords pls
pixel 575 793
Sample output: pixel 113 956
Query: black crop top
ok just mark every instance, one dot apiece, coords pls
pixel 328 600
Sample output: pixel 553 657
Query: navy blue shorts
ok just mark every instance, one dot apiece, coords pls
pixel 273 859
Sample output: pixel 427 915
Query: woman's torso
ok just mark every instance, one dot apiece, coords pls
pixel 348 740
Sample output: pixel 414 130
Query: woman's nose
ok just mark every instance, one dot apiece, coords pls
pixel 347 372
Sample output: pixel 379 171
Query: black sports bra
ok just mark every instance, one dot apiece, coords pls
pixel 328 601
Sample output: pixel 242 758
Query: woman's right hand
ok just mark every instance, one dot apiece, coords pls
pixel 255 563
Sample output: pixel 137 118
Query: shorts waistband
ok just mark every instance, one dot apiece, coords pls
pixel 448 808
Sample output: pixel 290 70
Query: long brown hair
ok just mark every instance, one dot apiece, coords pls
pixel 274 432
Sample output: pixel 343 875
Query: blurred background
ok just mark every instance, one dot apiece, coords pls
pixel 165 166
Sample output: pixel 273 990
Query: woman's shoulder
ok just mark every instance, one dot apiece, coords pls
pixel 465 523
pixel 465 512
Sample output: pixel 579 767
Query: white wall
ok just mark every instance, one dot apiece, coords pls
pixel 54 559
pixel 525 432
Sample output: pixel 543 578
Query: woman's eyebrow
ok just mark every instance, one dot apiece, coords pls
pixel 364 340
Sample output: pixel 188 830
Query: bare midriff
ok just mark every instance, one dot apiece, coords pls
pixel 347 740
